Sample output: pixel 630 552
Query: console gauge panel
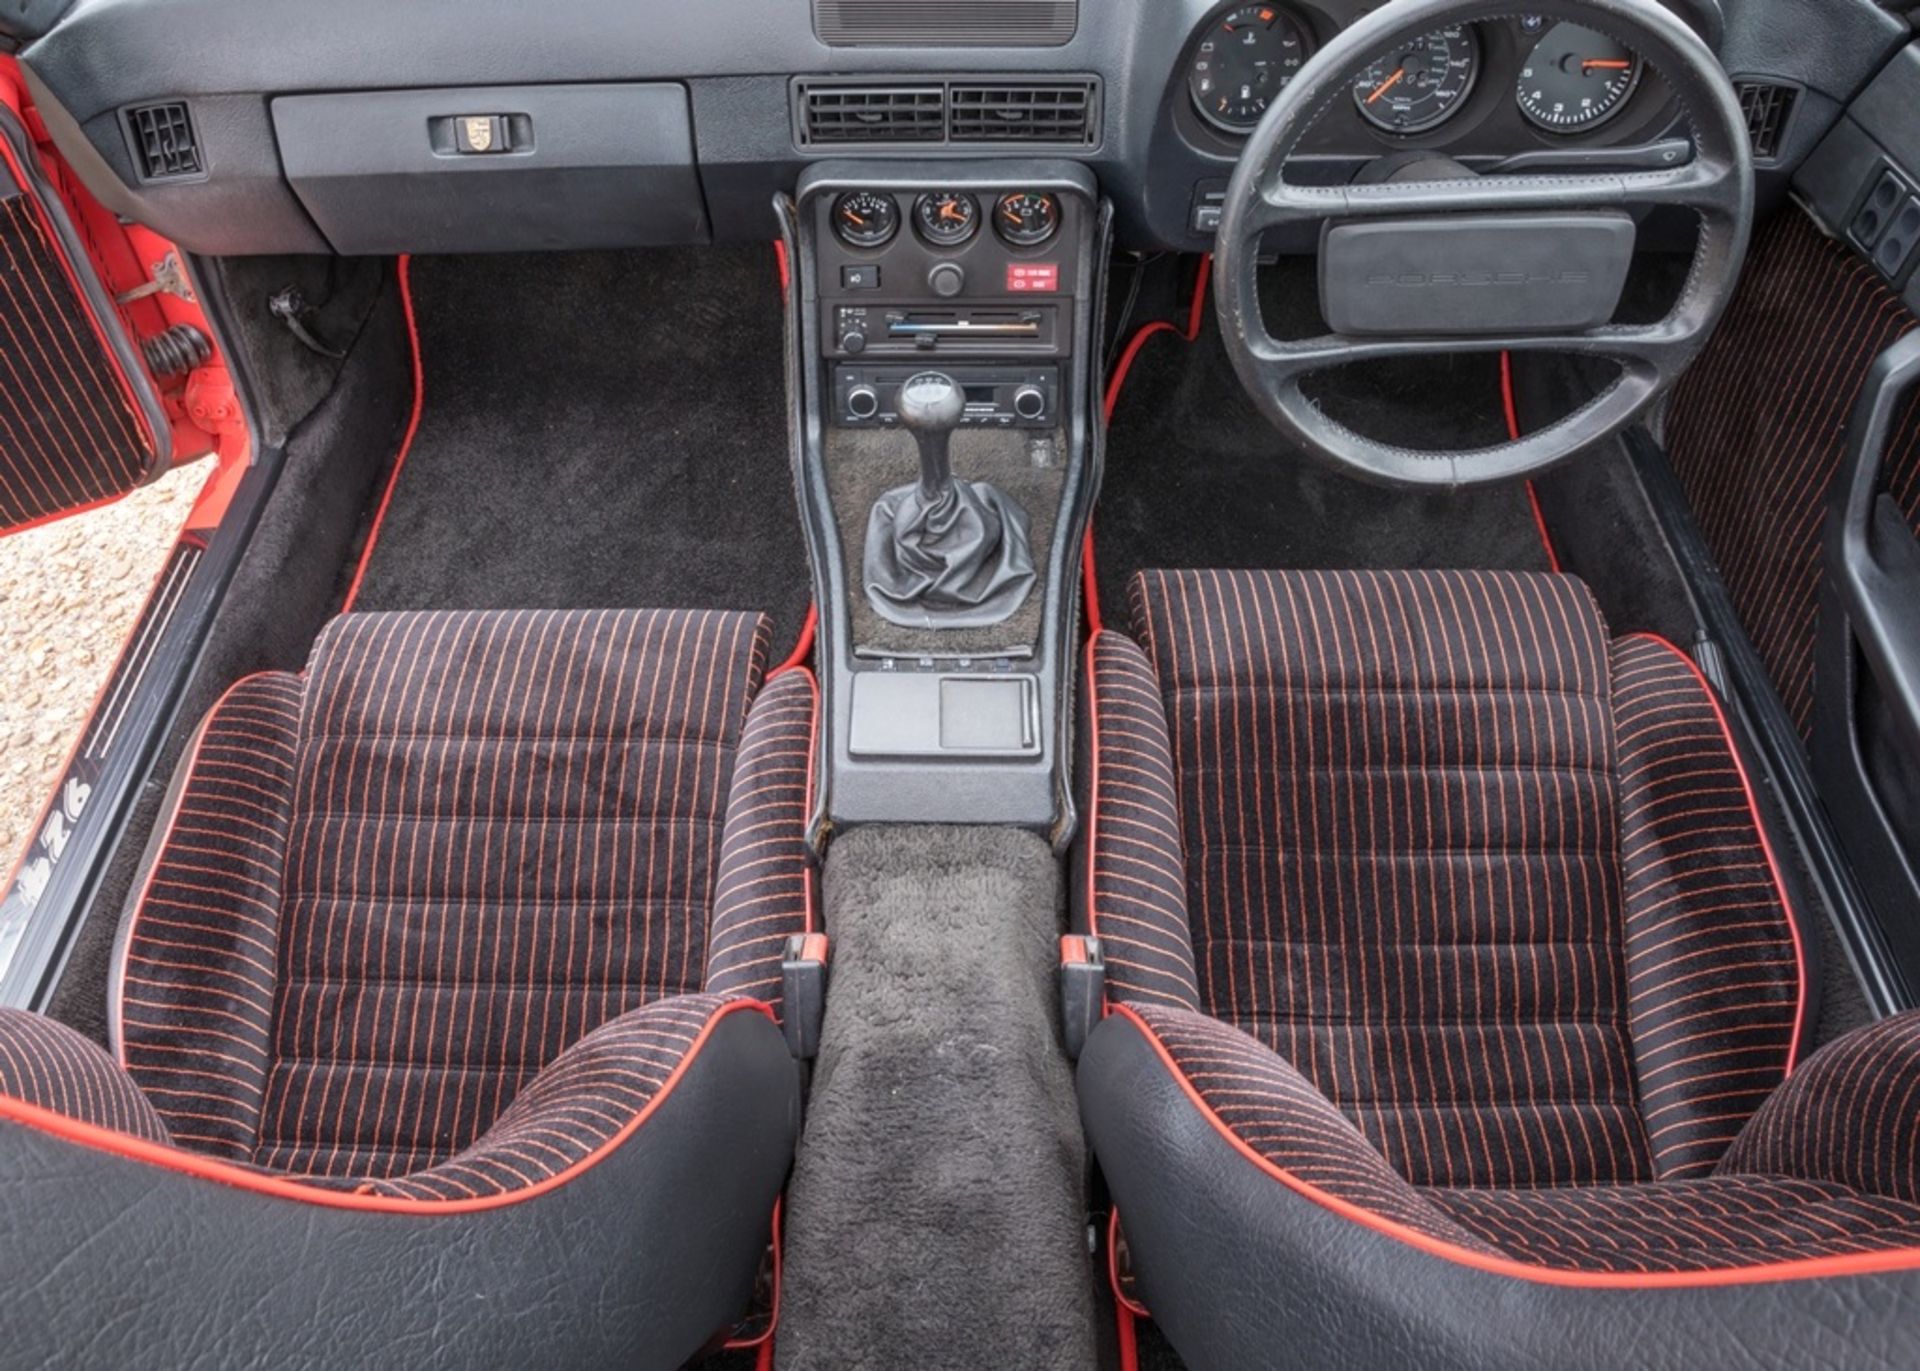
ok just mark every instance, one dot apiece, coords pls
pixel 1027 218
pixel 865 219
pixel 946 219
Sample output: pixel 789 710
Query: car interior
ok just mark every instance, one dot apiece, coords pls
pixel 979 683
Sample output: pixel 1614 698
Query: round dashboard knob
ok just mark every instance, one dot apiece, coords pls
pixel 863 402
pixel 853 341
pixel 1029 402
pixel 946 280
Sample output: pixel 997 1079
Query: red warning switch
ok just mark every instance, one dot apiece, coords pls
pixel 1023 277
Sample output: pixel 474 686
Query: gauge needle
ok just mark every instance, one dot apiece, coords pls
pixel 1388 84
pixel 951 211
pixel 856 218
pixel 1598 65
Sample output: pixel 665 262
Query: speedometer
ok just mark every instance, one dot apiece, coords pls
pixel 1422 83
pixel 1576 79
pixel 1245 59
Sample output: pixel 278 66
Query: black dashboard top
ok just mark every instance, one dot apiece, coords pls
pixel 1163 88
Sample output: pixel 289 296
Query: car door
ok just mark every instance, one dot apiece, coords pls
pixel 81 420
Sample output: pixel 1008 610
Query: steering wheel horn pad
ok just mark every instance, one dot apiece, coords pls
pixel 1717 185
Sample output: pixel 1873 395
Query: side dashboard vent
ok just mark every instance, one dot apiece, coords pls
pixel 1060 114
pixel 163 141
pixel 947 23
pixel 962 113
pixel 1768 106
pixel 872 114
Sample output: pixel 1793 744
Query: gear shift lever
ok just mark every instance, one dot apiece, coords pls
pixel 944 553
pixel 930 406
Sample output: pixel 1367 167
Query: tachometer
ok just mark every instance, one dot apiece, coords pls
pixel 1026 218
pixel 1576 79
pixel 946 219
pixel 1422 83
pixel 1243 62
pixel 865 219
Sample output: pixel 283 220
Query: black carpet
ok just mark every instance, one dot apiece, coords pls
pixel 937 1210
pixel 599 430
pixel 1196 477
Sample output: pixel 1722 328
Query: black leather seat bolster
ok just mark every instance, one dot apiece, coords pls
pixel 1241 1270
pixel 628 1261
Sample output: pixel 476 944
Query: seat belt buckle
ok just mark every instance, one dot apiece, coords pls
pixel 1083 990
pixel 803 993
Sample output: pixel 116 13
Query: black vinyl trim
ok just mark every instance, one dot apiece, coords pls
pixel 1241 1270
pixel 1770 738
pixel 638 1260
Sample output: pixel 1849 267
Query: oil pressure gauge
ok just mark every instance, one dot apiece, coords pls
pixel 865 219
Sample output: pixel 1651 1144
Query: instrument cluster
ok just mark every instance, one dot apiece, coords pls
pixel 1561 78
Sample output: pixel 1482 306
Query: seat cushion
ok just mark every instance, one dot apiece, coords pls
pixel 395 888
pixel 1488 879
pixel 1730 1219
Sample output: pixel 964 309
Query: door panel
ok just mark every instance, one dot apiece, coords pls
pixel 1758 428
pixel 80 423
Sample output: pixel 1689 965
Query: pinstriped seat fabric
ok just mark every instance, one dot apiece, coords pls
pixel 438 918
pixel 1449 906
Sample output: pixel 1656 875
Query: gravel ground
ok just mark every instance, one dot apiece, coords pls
pixel 69 593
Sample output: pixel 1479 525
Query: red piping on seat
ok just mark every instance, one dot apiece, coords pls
pixel 225 1173
pixel 1513 435
pixel 1806 1268
pixel 1760 829
pixel 804 648
pixel 405 274
pixel 1196 314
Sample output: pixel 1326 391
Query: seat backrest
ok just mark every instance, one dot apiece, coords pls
pixel 1419 863
pixel 459 843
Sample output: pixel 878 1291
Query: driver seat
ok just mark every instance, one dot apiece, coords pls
pixel 1455 1000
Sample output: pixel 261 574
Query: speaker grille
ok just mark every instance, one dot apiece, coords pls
pixel 947 23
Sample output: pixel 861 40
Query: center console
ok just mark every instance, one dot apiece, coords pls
pixel 942 321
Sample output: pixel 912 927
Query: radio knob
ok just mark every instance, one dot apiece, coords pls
pixel 1029 402
pixel 853 341
pixel 946 280
pixel 863 402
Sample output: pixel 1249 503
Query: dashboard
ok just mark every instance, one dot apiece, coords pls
pixel 338 127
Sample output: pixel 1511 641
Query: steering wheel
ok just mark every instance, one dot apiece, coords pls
pixel 1717 184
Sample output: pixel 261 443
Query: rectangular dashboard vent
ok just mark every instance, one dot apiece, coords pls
pixel 163 140
pixel 964 112
pixel 1061 114
pixel 1767 106
pixel 947 23
pixel 873 114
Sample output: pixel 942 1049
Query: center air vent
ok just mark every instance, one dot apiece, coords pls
pixel 1767 106
pixel 874 114
pixel 1021 114
pixel 965 112
pixel 163 141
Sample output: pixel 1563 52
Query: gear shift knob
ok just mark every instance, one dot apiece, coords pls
pixel 930 406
